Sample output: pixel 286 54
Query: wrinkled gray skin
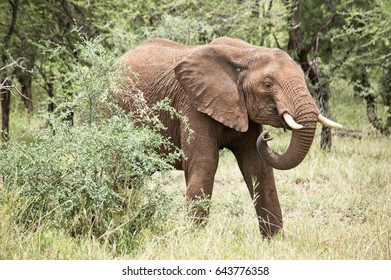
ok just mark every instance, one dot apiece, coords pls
pixel 228 90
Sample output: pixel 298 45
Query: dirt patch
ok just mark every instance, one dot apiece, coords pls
pixel 308 186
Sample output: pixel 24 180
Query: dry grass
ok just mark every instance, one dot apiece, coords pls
pixel 336 206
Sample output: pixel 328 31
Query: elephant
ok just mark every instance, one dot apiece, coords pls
pixel 228 90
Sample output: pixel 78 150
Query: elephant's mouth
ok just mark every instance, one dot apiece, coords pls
pixel 283 123
pixel 276 121
pixel 279 122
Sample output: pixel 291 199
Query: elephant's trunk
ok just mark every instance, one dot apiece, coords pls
pixel 298 148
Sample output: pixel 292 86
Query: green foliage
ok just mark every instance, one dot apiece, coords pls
pixel 365 62
pixel 85 178
pixel 90 178
pixel 367 31
pixel 183 30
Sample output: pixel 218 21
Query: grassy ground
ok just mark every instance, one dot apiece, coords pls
pixel 336 205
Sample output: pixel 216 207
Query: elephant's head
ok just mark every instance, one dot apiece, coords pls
pixel 233 81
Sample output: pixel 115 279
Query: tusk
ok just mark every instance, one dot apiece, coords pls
pixel 290 121
pixel 329 123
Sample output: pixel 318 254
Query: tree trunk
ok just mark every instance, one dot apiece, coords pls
pixel 361 89
pixel 26 90
pixel 301 49
pixel 5 97
pixel 384 129
pixel 50 90
pixel 5 94
pixel 322 95
pixel 51 105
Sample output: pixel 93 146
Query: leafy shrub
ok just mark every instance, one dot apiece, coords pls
pixel 90 178
pixel 185 30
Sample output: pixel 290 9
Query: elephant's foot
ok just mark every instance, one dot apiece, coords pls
pixel 199 218
pixel 199 211
pixel 270 227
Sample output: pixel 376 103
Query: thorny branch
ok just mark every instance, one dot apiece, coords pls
pixel 6 83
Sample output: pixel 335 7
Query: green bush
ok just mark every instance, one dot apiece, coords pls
pixel 184 30
pixel 91 177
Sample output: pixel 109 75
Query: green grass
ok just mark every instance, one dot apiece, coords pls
pixel 336 205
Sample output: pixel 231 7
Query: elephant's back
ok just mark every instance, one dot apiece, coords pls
pixel 156 53
pixel 153 61
pixel 152 64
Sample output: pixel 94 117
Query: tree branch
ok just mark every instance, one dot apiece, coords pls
pixel 324 28
pixel 267 12
pixel 11 30
pixel 276 40
pixel 384 129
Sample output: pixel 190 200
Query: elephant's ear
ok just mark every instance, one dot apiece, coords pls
pixel 209 76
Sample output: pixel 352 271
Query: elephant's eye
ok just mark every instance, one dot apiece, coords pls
pixel 267 83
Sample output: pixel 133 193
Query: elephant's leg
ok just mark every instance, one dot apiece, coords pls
pixel 200 165
pixel 199 176
pixel 259 179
